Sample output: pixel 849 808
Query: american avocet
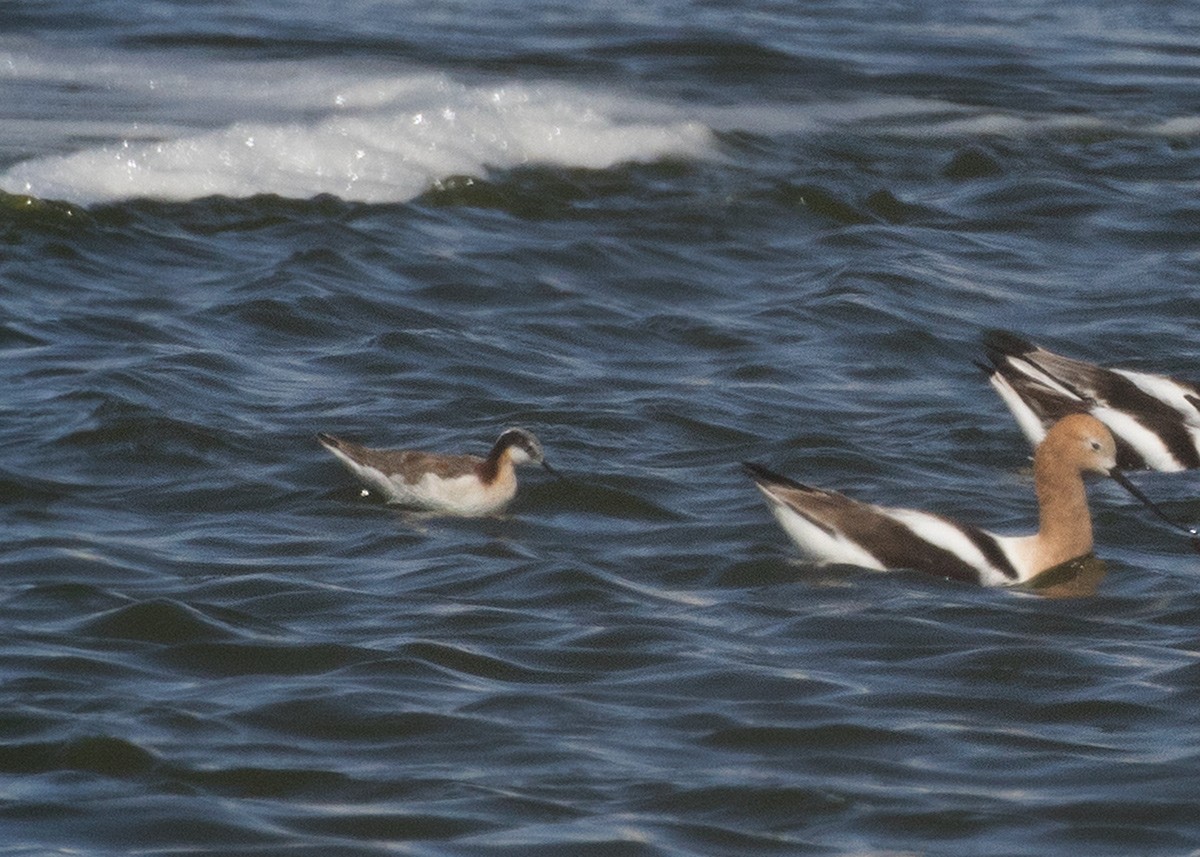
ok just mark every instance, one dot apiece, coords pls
pixel 832 528
pixel 458 484
pixel 1155 420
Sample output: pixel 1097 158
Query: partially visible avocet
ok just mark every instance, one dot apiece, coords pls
pixel 1155 420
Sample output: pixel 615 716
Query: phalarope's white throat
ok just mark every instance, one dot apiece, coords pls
pixel 1155 420
pixel 457 484
pixel 831 528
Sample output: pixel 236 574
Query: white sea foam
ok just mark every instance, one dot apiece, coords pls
pixel 386 157
pixel 298 131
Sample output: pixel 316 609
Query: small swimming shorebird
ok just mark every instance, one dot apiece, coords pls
pixel 1155 420
pixel 832 528
pixel 457 484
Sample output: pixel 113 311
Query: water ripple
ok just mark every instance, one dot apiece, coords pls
pixel 773 235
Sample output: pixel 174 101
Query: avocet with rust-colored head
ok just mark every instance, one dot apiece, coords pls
pixel 832 528
pixel 454 484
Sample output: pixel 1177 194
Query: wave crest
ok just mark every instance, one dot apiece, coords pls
pixel 372 140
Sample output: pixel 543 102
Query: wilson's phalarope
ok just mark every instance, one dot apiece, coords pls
pixel 1155 420
pixel 832 528
pixel 457 484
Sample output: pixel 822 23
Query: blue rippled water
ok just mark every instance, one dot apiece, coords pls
pixel 666 237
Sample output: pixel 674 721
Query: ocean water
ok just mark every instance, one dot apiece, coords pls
pixel 666 237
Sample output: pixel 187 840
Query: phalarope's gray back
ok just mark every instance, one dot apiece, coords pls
pixel 1155 420
pixel 457 484
pixel 831 528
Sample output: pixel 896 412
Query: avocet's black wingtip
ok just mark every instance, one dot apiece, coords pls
pixel 766 476
pixel 1002 343
pixel 754 469
pixel 759 473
